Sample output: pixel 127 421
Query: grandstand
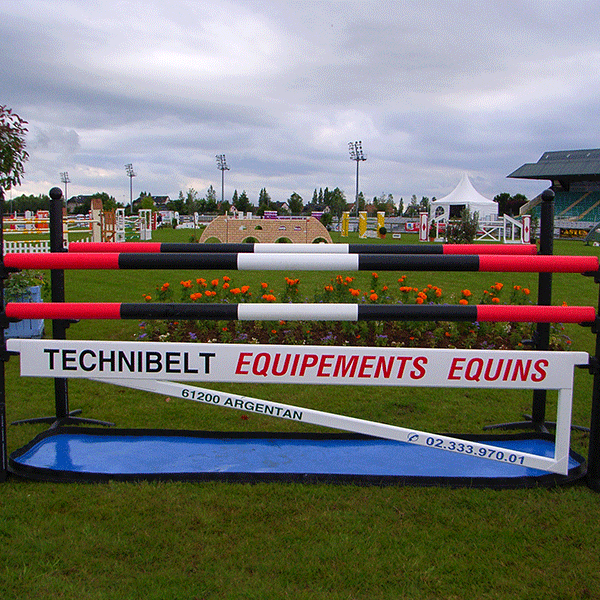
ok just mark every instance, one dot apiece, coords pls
pixel 574 177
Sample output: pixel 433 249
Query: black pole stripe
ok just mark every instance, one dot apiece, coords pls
pixel 416 312
pixel 377 262
pixel 214 312
pixel 167 247
pixel 178 261
pixel 394 249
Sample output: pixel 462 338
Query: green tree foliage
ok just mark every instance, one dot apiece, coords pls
pixel 463 230
pixel 242 203
pixel 295 203
pixel 385 203
pixel 12 148
pixel 33 203
pixel 509 205
pixel 335 200
pixel 264 202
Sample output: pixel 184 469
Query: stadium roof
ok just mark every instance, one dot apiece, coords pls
pixel 564 165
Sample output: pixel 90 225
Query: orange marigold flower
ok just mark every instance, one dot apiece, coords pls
pixel 264 285
pixel 214 282
pixel 373 297
pixel 466 293
pixel 147 298
pixel 496 300
pixel 225 278
pixel 526 291
pixel 349 279
pixel 235 290
pixel 225 286
pixel 463 301
pixel 186 284
pixel 385 288
pixel 419 300
pixel 355 292
pixel 164 287
pixel 447 334
pixel 245 288
pixel 438 293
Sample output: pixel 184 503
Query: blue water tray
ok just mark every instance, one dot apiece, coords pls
pixel 93 454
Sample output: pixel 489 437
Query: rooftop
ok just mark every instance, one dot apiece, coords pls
pixel 563 166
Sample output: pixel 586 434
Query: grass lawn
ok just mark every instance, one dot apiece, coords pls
pixel 213 540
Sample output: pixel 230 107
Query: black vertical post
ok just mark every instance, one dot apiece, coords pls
pixel 59 326
pixel 593 468
pixel 57 281
pixel 3 437
pixel 538 415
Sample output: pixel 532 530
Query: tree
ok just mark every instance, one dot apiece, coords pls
pixel 336 201
pixel 13 155
pixel 243 203
pixel 33 203
pixel 509 205
pixel 385 203
pixel 295 203
pixel 401 207
pixel 413 208
pixel 211 200
pixel 264 202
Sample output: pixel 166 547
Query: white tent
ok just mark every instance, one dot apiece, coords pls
pixel 464 194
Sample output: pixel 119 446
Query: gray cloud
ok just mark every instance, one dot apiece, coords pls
pixel 432 88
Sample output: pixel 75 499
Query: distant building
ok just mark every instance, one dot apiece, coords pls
pixel 574 176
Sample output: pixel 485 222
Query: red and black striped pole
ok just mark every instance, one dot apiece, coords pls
pixel 167 248
pixel 299 312
pixel 306 262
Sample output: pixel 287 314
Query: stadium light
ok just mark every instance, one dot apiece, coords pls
pixel 222 166
pixel 356 154
pixel 131 174
pixel 64 177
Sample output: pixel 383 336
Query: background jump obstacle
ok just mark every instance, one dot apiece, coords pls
pixel 165 247
pixel 299 312
pixel 305 262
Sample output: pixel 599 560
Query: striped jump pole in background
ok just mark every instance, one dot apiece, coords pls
pixel 164 247
pixel 302 312
pixel 305 262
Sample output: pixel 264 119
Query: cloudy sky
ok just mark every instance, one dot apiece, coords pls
pixel 433 89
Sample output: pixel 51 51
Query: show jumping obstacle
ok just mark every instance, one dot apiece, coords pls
pixel 133 364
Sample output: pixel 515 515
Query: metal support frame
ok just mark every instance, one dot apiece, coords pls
pixel 63 415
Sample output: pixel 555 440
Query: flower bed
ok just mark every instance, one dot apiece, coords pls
pixel 341 289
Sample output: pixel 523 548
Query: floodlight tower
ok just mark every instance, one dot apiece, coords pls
pixel 356 154
pixel 131 174
pixel 64 177
pixel 222 166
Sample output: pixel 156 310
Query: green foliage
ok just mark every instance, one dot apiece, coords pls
pixel 295 203
pixel 16 286
pixel 464 230
pixel 13 155
pixel 509 205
